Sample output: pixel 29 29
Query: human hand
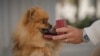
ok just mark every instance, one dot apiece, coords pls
pixel 72 35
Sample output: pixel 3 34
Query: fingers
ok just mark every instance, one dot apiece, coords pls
pixel 68 40
pixel 63 36
pixel 59 37
pixel 63 29
pixel 72 41
pixel 72 35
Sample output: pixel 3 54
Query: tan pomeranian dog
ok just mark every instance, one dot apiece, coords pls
pixel 28 39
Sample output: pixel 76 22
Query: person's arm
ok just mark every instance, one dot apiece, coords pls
pixel 93 32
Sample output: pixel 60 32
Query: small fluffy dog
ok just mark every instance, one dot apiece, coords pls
pixel 28 39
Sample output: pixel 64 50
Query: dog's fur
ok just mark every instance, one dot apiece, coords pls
pixel 27 38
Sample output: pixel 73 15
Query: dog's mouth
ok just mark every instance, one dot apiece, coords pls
pixel 48 33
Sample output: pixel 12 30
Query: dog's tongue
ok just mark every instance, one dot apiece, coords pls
pixel 49 34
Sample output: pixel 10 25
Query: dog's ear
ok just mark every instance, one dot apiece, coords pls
pixel 30 13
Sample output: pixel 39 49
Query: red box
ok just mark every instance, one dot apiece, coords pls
pixel 60 23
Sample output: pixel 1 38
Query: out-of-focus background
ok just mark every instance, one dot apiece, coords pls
pixel 72 10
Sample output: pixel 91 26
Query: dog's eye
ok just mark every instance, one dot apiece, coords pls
pixel 44 21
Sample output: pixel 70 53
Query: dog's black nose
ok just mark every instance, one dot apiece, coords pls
pixel 50 26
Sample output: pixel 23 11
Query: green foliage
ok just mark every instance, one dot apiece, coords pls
pixel 81 24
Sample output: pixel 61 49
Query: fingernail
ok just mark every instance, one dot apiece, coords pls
pixel 57 29
pixel 53 38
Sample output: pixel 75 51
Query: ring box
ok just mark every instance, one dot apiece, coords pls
pixel 59 24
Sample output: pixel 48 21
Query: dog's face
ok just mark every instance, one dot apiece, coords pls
pixel 38 19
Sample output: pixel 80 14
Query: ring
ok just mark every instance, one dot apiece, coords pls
pixel 65 40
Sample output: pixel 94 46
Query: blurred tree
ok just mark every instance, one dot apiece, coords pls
pixel 81 24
